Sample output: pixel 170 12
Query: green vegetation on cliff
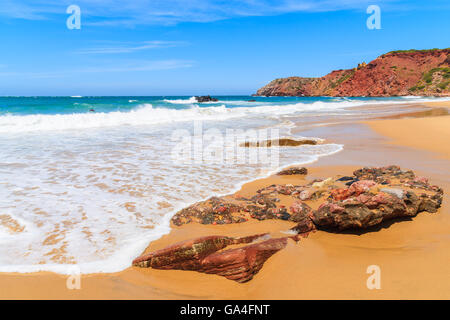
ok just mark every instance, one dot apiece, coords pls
pixel 414 50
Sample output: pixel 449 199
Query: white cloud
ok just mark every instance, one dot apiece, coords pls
pixel 116 67
pixel 18 9
pixel 139 65
pixel 136 12
pixel 131 47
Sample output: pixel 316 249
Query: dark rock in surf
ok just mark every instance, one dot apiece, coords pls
pixel 201 99
pixel 293 170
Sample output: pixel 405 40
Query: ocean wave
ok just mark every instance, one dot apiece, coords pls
pixel 146 114
pixel 181 101
pixel 193 100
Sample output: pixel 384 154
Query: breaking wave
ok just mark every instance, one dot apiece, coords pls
pixel 146 114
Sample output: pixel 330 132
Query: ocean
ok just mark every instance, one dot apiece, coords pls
pixel 88 182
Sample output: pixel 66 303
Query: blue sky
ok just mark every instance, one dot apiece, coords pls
pixel 174 47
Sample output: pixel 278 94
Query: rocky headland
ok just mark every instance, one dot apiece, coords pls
pixel 396 73
pixel 357 203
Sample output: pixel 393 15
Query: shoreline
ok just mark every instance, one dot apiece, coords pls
pixel 137 283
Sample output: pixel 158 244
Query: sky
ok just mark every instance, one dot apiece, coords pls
pixel 183 47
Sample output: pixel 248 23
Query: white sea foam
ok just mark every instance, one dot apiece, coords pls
pixel 97 200
pixel 181 101
pixel 146 114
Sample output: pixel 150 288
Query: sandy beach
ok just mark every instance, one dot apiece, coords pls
pixel 413 255
pixel 427 134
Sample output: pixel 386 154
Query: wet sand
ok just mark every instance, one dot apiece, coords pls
pixel 413 255
pixel 422 133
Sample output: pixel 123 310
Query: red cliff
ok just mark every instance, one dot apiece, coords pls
pixel 397 73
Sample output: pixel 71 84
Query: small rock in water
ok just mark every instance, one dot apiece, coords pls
pixel 282 142
pixel 205 99
pixel 293 170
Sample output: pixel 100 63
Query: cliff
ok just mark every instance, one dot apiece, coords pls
pixel 397 73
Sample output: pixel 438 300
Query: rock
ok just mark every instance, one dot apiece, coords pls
pixel 302 213
pixel 203 255
pixel 383 173
pixel 430 203
pixel 340 194
pixel 399 193
pixel 374 195
pixel 368 209
pixel 360 186
pixel 188 254
pixel 201 99
pixel 323 183
pixel 345 179
pixel 421 180
pixel 349 183
pixel 218 210
pixel 382 194
pixel 345 216
pixel 293 170
pixel 282 142
pixel 305 195
pixel 355 189
pixel 241 264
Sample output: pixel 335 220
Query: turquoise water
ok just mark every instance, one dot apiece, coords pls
pixel 69 105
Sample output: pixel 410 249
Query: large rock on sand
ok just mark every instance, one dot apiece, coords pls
pixel 204 255
pixel 368 197
pixel 392 193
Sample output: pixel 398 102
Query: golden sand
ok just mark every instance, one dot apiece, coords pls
pixel 412 255
pixel 429 133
